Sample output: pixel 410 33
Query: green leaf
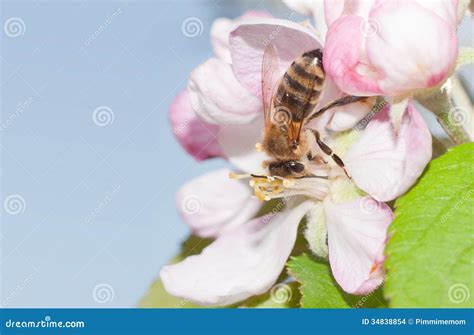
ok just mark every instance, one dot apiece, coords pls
pixel 466 56
pixel 431 250
pixel 157 297
pixel 320 290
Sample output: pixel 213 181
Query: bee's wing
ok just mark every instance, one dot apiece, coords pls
pixel 270 78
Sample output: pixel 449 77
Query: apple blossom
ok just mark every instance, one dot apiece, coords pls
pixel 248 254
pixel 390 48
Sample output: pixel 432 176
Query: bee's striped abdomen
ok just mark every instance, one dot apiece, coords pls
pixel 301 85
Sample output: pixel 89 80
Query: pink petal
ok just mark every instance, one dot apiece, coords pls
pixel 217 97
pixel 399 51
pixel 238 145
pixel 222 27
pixel 239 264
pixel 214 204
pixel 343 58
pixel 249 40
pixel 197 137
pixel 384 164
pixel 357 232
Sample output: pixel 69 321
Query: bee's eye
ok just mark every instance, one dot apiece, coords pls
pixel 296 167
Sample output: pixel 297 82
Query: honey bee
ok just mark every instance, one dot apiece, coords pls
pixel 289 104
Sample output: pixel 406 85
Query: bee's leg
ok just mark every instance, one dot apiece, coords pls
pixel 328 151
pixel 337 103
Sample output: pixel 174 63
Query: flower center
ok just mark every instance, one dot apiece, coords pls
pixel 272 187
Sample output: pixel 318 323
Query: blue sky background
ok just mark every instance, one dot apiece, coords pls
pixel 61 165
pixel 54 74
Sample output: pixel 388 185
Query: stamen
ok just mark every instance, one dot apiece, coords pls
pixel 272 187
pixel 233 175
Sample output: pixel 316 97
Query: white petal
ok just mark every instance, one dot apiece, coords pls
pixel 222 27
pixel 213 203
pixel 385 164
pixel 249 40
pixel 217 97
pixel 239 264
pixel 237 142
pixel 346 117
pixel 357 232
